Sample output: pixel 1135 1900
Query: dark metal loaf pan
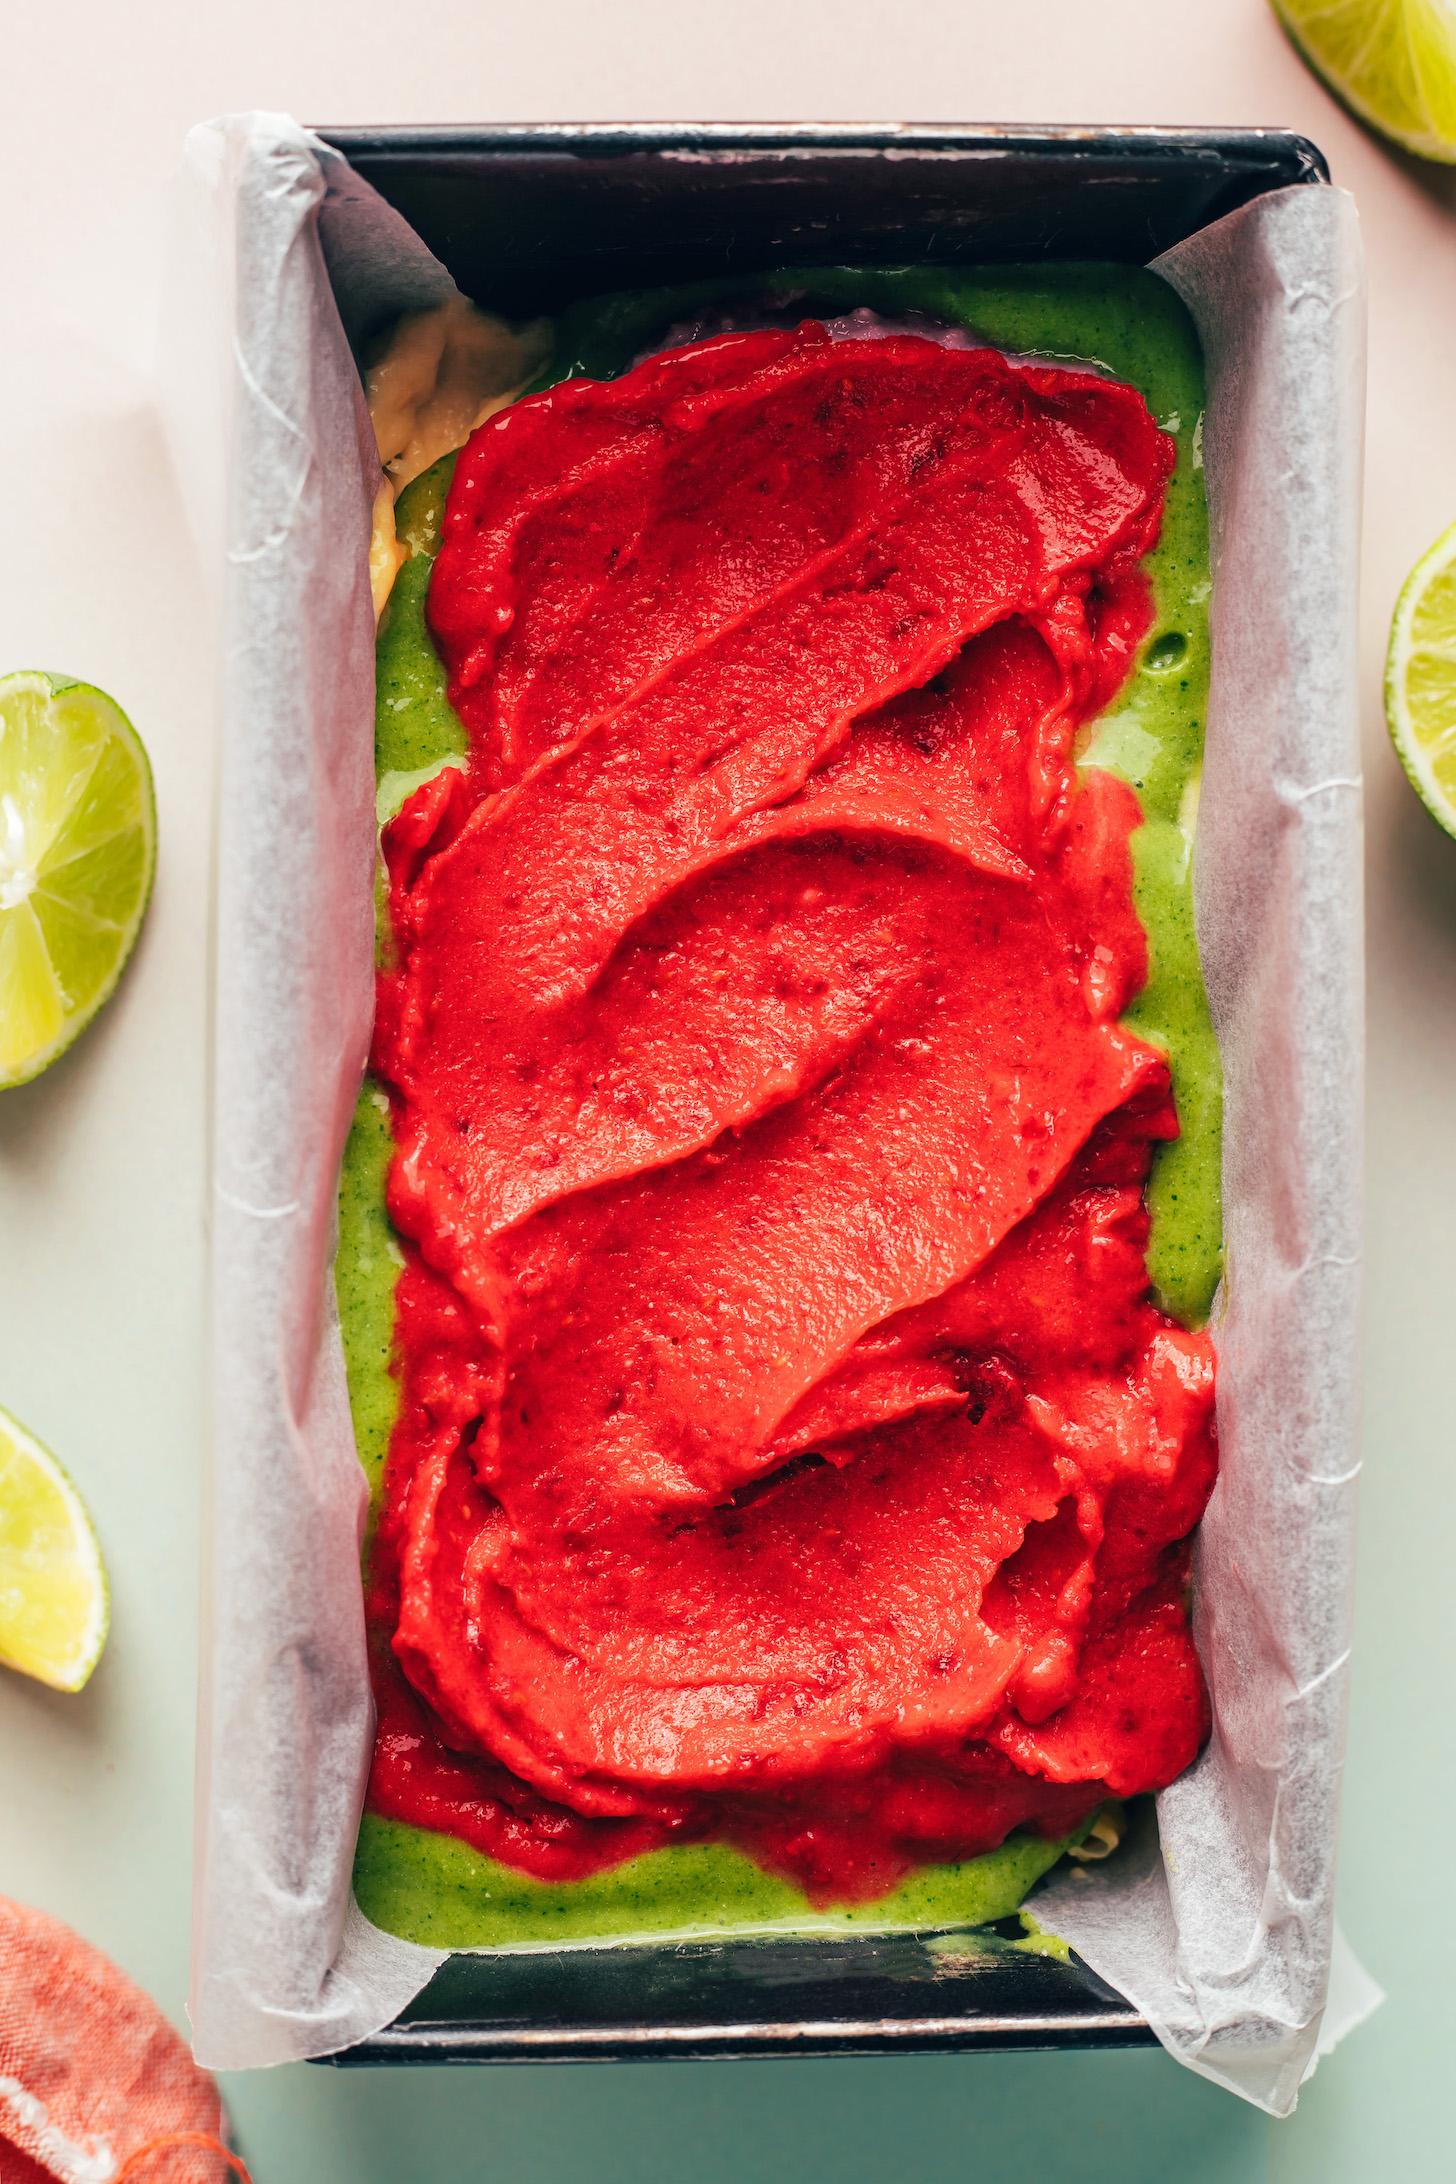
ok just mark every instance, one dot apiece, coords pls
pixel 528 219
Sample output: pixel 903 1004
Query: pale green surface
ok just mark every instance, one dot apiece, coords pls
pixel 1001 2119
pixel 100 1785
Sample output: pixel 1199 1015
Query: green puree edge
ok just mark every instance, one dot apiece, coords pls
pixel 430 1887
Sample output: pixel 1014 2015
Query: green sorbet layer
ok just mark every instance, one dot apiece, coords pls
pixel 433 1888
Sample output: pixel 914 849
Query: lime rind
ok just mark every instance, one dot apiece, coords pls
pixel 77 859
pixel 55 1603
pixel 1392 62
pixel 1420 680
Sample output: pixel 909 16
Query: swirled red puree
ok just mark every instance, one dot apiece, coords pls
pixel 789 1450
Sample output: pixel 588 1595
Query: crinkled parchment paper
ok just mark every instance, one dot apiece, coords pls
pixel 1218 1923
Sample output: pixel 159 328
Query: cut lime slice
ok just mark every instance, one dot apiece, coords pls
pixel 78 838
pixel 54 1606
pixel 1393 61
pixel 1420 680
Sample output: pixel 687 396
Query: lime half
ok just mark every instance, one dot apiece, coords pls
pixel 78 840
pixel 54 1607
pixel 1420 680
pixel 1393 61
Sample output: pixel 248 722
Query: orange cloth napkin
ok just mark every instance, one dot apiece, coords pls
pixel 95 2086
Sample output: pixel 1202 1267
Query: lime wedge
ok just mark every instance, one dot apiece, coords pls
pixel 1393 61
pixel 78 838
pixel 1420 680
pixel 54 1607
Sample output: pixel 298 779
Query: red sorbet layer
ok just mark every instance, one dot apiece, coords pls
pixel 790 1451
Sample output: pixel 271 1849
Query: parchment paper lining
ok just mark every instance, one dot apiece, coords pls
pixel 1217 1923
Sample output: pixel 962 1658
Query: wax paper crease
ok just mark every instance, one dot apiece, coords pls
pixel 1217 1921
